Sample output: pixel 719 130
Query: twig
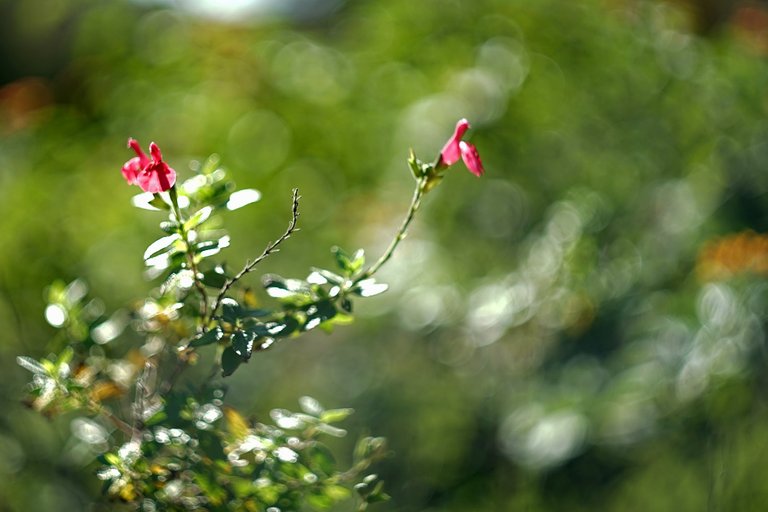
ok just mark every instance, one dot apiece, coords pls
pixel 190 254
pixel 98 409
pixel 418 193
pixel 269 249
pixel 142 393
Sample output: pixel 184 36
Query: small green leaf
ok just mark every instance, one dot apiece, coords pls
pixel 318 313
pixel 229 361
pixel 159 245
pixel 335 415
pixel 291 290
pixel 230 310
pixel 198 217
pixel 414 164
pixel 343 260
pixel 65 357
pixel 149 201
pixel 321 460
pixel 214 278
pixel 159 203
pixel 210 247
pixel 211 165
pixel 208 337
pixel 337 492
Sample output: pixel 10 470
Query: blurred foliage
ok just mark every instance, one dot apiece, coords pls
pixel 551 340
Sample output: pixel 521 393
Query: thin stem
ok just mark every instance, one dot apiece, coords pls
pixel 418 193
pixel 190 256
pixel 99 409
pixel 268 250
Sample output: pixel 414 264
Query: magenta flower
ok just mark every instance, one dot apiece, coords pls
pixel 133 167
pixel 456 148
pixel 152 175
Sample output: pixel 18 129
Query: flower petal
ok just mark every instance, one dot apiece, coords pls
pixel 155 152
pixel 133 167
pixel 156 177
pixel 451 152
pixel 130 169
pixel 471 158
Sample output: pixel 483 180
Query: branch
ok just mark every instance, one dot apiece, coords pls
pixel 268 250
pixel 418 193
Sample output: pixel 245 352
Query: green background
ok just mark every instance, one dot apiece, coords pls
pixel 547 342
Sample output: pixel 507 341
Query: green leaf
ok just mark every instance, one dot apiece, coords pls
pixel 335 415
pixel 149 201
pixel 230 310
pixel 278 328
pixel 212 490
pixel 414 164
pixel 198 217
pixel 160 245
pixel 318 313
pixel 210 247
pixel 214 278
pixel 229 361
pixel 211 165
pixel 349 264
pixel 319 501
pixel 377 495
pixel 342 258
pixel 337 492
pixel 65 357
pixel 242 343
pixel 321 460
pixel 211 336
pixel 159 203
pixel 289 290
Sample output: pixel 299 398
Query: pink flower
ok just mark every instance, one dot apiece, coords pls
pixel 134 166
pixel 152 175
pixel 456 148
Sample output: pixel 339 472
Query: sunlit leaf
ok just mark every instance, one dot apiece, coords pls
pixel 160 245
pixel 242 343
pixel 335 415
pixel 208 337
pixel 369 288
pixel 311 406
pixel 242 198
pixel 149 201
pixel 230 310
pixel 31 365
pixel 198 217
